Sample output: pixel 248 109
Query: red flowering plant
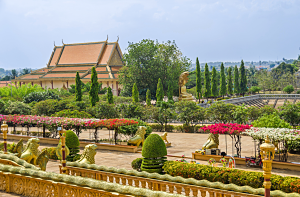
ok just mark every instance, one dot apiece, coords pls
pixel 228 128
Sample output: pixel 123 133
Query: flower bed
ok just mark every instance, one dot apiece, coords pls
pixel 229 175
pixel 76 124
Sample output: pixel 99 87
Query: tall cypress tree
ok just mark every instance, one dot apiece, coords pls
pixel 93 93
pixel 198 79
pixel 236 80
pixel 243 79
pixel 170 93
pixel 214 83
pixel 135 93
pixel 148 97
pixel 109 96
pixel 229 82
pixel 222 81
pixel 78 85
pixel 207 90
pixel 159 91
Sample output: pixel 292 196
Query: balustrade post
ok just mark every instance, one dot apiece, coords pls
pixel 4 129
pixel 178 189
pixel 195 192
pixel 123 181
pixel 171 189
pixel 129 182
pixel 117 180
pixel 143 183
pixel 163 187
pixel 187 191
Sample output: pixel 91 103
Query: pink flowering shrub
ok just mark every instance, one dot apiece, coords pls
pixel 229 128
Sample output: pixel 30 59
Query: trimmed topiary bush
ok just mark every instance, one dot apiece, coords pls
pixel 72 143
pixel 136 164
pixel 154 152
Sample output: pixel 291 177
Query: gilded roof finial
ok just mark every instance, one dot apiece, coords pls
pixel 118 39
pixel 107 38
pixel 62 40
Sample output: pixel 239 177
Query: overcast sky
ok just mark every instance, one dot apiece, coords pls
pixel 224 30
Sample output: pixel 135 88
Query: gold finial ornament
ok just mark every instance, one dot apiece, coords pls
pixel 267 152
pixel 183 95
pixel 4 129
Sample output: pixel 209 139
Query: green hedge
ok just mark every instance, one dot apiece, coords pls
pixel 172 128
pixel 229 175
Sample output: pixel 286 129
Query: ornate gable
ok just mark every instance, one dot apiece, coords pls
pixel 116 59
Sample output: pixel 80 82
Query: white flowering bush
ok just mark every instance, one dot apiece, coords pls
pixel 275 134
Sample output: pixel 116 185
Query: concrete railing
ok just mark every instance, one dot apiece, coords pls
pixel 33 183
pixel 279 96
pixel 156 184
pixel 241 99
pixel 255 97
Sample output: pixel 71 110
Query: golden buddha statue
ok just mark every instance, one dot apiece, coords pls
pixel 183 95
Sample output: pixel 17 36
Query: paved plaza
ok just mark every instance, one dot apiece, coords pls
pixel 182 144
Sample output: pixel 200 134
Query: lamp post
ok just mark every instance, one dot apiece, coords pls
pixel 267 152
pixel 63 148
pixel 4 129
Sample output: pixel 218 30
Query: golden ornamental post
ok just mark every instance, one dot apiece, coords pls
pixel 267 152
pixel 63 148
pixel 4 129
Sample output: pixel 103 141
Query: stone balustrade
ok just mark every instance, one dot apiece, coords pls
pixel 37 183
pixel 155 184
pixel 166 183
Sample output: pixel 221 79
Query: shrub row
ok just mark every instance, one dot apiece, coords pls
pixel 180 128
pixel 229 175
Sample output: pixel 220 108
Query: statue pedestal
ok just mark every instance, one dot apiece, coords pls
pixel 168 144
pixel 187 97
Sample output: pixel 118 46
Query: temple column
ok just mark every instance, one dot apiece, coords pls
pixel 117 88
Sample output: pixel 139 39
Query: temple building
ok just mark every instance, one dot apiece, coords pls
pixel 66 60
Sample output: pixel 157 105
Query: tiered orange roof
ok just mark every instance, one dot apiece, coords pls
pixel 66 60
